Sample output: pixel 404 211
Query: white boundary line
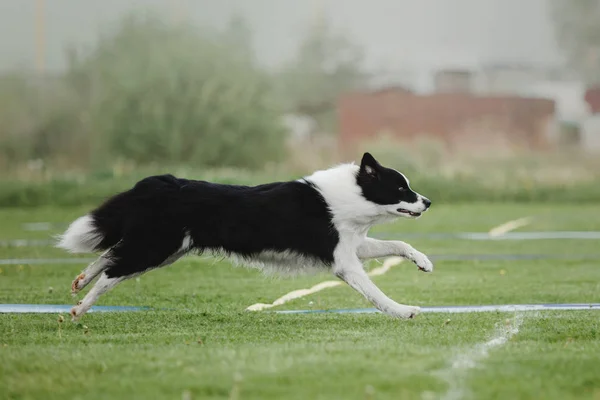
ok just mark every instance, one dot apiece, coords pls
pixel 296 294
pixel 456 371
pixel 509 226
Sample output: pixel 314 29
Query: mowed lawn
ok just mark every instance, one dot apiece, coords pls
pixel 199 343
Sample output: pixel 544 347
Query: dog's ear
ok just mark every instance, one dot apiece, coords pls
pixel 369 166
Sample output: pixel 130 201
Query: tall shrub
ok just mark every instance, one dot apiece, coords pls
pixel 176 94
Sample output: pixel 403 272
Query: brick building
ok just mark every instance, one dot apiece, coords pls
pixel 449 117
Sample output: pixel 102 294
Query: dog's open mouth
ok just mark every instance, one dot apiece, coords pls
pixel 405 211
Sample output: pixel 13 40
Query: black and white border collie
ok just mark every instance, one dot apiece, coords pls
pixel 318 222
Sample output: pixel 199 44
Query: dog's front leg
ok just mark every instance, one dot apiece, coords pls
pixel 373 248
pixel 350 269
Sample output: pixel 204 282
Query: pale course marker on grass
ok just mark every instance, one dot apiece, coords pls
pixel 509 226
pixel 296 294
pixel 458 367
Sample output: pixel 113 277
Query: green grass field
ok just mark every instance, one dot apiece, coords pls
pixel 201 344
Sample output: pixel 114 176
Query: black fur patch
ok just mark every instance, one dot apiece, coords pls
pixel 383 185
pixel 147 224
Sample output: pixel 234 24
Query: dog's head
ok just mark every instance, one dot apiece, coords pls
pixel 389 189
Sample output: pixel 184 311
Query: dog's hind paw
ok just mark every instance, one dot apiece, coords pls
pixel 75 284
pixel 75 313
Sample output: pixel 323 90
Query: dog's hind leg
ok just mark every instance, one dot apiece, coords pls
pixel 90 272
pixel 103 285
pixel 129 259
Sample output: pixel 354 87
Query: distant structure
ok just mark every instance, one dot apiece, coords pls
pixel 474 104
pixel 458 119
pixel 590 130
pixel 510 79
pixel 592 98
pixel 453 81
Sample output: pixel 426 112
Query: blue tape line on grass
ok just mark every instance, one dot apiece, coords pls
pixel 38 226
pixel 60 308
pixel 460 309
pixel 533 235
pixel 65 308
pixel 580 235
pixel 512 257
pixel 21 261
pixel 27 243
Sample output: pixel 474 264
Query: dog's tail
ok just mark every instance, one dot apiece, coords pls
pixel 82 236
pixel 99 230
pixel 104 227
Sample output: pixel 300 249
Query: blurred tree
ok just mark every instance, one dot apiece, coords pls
pixel 577 28
pixel 326 65
pixel 161 93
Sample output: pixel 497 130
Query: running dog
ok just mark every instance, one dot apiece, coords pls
pixel 318 222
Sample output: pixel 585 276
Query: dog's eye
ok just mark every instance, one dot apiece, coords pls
pixel 402 189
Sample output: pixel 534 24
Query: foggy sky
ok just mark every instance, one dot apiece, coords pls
pixel 396 34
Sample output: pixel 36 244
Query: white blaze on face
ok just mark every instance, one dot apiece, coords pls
pixel 418 206
pixel 405 178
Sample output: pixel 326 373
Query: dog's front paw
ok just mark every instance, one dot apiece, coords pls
pixel 423 262
pixel 404 312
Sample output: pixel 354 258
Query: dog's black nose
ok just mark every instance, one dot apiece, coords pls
pixel 427 202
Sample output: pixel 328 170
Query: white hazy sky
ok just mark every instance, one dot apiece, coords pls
pixel 395 33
